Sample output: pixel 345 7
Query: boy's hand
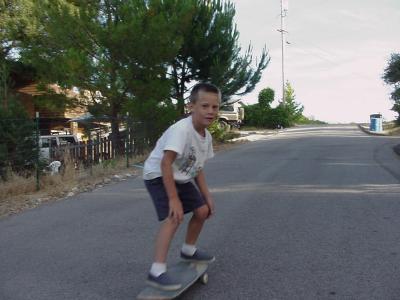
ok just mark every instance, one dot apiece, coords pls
pixel 201 183
pixel 211 207
pixel 176 211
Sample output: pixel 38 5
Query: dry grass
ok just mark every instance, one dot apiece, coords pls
pixel 391 128
pixel 394 131
pixel 17 185
pixel 389 125
pixel 19 193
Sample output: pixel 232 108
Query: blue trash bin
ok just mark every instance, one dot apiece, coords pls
pixel 375 123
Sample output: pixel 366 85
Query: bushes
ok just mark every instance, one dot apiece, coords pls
pixel 221 134
pixel 17 136
pixel 262 115
pixel 216 130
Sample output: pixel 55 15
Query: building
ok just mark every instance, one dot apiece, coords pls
pixel 51 121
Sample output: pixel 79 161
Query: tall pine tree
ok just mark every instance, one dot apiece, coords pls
pixel 211 52
pixel 17 143
pixel 115 52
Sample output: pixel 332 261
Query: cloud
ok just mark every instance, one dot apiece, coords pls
pixel 358 17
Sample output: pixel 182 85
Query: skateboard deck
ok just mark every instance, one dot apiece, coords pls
pixel 187 274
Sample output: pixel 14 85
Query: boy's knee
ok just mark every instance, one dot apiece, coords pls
pixel 202 212
pixel 171 223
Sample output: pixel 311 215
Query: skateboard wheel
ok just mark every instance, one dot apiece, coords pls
pixel 204 278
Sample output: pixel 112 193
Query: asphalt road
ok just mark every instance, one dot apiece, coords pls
pixel 310 213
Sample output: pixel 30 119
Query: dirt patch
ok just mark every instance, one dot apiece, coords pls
pixel 228 145
pixel 19 193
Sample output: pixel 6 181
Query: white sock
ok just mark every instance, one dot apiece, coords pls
pixel 188 249
pixel 157 269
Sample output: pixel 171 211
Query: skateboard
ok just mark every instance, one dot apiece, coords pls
pixel 187 274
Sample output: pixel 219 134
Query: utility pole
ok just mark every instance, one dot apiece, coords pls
pixel 283 31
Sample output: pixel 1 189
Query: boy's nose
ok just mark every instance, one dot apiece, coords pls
pixel 211 110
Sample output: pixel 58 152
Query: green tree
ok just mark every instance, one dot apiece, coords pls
pixel 210 52
pixel 115 53
pixel 392 76
pixel 17 143
pixel 15 25
pixel 266 97
pixel 286 115
pixel 17 147
pixel 261 113
pixel 295 110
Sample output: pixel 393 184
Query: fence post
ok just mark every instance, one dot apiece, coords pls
pixel 127 140
pixel 90 155
pixel 37 150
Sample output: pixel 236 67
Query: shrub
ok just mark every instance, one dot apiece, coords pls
pixel 217 131
pixel 17 136
pixel 221 133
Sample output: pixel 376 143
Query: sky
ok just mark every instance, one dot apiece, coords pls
pixel 336 57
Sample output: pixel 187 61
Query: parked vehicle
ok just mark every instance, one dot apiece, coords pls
pixel 50 145
pixel 231 115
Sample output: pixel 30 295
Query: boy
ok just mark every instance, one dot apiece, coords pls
pixel 177 159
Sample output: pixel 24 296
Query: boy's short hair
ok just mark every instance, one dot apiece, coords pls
pixel 205 87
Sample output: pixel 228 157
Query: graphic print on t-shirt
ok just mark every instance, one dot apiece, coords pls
pixel 189 161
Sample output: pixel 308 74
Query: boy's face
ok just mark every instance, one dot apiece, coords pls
pixel 205 109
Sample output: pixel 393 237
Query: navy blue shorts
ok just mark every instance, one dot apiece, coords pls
pixel 187 192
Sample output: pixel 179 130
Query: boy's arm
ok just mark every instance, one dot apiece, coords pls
pixel 175 205
pixel 202 184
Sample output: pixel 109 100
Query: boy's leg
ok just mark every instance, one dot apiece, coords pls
pixel 158 276
pixel 163 240
pixel 196 224
pixel 189 251
pixel 168 228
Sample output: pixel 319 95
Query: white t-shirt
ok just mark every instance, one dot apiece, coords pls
pixel 192 151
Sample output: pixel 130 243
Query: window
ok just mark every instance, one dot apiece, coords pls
pixel 53 142
pixel 65 140
pixel 45 142
pixel 228 108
